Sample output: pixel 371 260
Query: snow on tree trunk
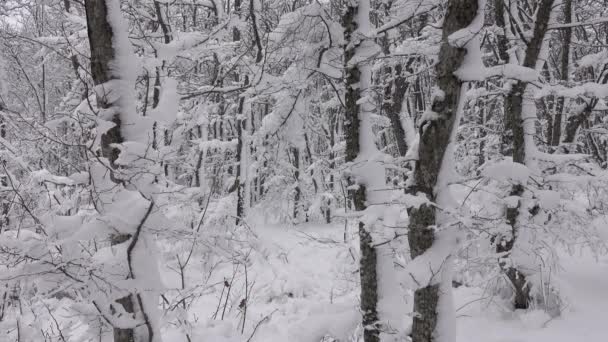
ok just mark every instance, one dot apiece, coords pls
pixel 394 94
pixel 564 72
pixel 102 54
pixel 241 147
pixel 431 244
pixel 520 116
pixel 113 75
pixel 365 173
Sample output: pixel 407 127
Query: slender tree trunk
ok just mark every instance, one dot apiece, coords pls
pixel 502 43
pixel 332 126
pixel 575 121
pixel 394 93
pixel 239 185
pixel 297 206
pixel 161 22
pixel 243 126
pixel 501 39
pixel 239 182
pixel 395 89
pixel 481 120
pixel 435 136
pixel 564 73
pixel 514 106
pixel 101 35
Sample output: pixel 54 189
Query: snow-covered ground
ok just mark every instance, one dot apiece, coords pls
pixel 584 287
pixel 304 288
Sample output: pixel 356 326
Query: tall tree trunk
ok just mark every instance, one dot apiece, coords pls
pixel 239 181
pixel 243 126
pixel 564 73
pixel 514 107
pixel 157 84
pixel 355 76
pixel 502 44
pixel 101 35
pixel 239 185
pixel 435 136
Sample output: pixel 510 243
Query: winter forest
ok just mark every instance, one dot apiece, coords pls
pixel 303 170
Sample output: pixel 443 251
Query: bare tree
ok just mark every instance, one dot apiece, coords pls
pixel 436 133
pixel 522 139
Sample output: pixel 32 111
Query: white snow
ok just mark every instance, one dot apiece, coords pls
pixel 507 171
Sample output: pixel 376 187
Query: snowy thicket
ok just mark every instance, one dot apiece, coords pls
pixel 315 171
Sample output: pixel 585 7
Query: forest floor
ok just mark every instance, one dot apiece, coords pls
pixel 583 283
pixel 303 287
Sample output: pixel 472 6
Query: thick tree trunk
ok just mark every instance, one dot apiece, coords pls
pixel 435 137
pixel 102 53
pixel 514 106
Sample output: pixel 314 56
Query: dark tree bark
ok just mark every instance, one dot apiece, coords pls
pixel 501 39
pixel 481 120
pixel 256 34
pixel 394 93
pixel 241 120
pixel 100 34
pixel 239 182
pixel 309 162
pixel 239 185
pixel 295 153
pixel 434 139
pixel 367 263
pixel 102 53
pixel 575 121
pixel 566 33
pixel 166 30
pixel 332 128
pixel 515 124
pixel 161 22
pixel 502 44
